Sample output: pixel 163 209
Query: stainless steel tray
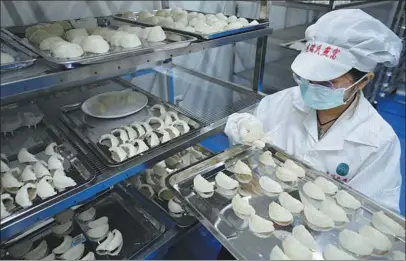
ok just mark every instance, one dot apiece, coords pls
pixel 137 226
pixel 90 129
pixel 218 216
pixel 262 24
pixel 23 56
pixel 35 139
pixel 52 240
pixel 185 220
pixel 17 116
pixel 124 103
pixel 173 40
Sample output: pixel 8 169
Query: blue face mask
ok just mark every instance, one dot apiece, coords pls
pixel 320 97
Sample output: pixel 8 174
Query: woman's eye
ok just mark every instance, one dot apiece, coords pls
pixel 326 83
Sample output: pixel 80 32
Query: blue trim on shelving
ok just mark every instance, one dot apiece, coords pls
pixel 216 143
pixel 69 202
pixel 170 86
pixel 141 72
pixel 394 112
pixel 35 85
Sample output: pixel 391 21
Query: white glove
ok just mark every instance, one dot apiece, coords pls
pixel 245 128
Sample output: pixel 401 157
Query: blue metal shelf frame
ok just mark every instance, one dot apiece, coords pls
pixel 105 180
pixel 45 77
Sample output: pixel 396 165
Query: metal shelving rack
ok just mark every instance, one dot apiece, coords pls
pixel 44 77
pixel 389 79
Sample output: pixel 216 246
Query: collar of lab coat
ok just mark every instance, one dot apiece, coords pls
pixel 355 125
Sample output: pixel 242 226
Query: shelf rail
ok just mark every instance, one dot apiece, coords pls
pixel 108 177
pixel 106 180
pixel 26 87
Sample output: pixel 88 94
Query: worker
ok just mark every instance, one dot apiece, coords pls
pixel 326 121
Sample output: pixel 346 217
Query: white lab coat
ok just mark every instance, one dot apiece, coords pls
pixel 361 142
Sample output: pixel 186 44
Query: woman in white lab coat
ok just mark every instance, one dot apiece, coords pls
pixel 326 121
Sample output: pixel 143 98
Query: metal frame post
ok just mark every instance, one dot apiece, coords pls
pixel 165 4
pixel 170 86
pixel 233 46
pixel 384 76
pixel 260 52
pixel 331 5
pixel 259 64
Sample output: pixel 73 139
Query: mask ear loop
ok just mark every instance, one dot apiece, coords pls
pixel 354 85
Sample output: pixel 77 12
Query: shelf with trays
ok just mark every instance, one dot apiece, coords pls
pixel 120 211
pixel 107 177
pixel 171 40
pixel 167 232
pixel 42 75
pixel 262 23
pixel 56 82
pixel 150 184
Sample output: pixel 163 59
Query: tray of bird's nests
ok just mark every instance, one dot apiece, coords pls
pixel 98 230
pixel 200 25
pixel 261 206
pixel 120 140
pixel 116 227
pixel 14 55
pixel 152 183
pixel 37 165
pixel 61 238
pixel 94 40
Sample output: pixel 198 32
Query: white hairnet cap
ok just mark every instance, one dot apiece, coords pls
pixel 344 39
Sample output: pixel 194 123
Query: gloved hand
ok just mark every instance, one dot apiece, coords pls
pixel 245 128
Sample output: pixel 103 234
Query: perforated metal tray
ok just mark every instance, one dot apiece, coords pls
pixel 262 24
pixel 219 218
pixel 23 57
pixel 185 220
pixel 137 226
pixel 90 129
pixel 35 139
pixel 52 240
pixel 173 40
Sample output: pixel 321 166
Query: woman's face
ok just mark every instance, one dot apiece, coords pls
pixel 346 80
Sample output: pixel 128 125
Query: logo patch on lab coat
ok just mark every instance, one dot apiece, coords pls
pixel 343 169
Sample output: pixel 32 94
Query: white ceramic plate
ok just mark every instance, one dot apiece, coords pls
pixel 114 104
